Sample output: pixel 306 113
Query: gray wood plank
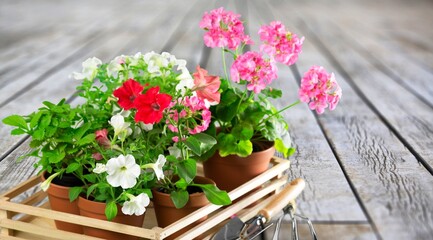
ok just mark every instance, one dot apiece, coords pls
pixel 393 187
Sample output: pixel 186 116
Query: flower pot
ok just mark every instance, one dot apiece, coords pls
pixel 89 208
pixel 167 213
pixel 58 196
pixel 232 171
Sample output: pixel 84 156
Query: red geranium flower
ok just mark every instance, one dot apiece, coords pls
pixel 127 93
pixel 151 105
pixel 207 86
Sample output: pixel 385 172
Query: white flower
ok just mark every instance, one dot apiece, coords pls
pixel 146 126
pixel 137 205
pixel 157 167
pixel 122 171
pixel 174 151
pixel 100 168
pixel 155 62
pixel 46 184
pixel 90 67
pixel 115 66
pixel 185 81
pixel 121 128
pixel 135 59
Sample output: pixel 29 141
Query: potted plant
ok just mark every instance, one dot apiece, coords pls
pixel 245 122
pixel 58 141
pixel 150 114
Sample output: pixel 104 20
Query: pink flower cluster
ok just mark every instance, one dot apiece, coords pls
pixel 196 109
pixel 257 71
pixel 224 29
pixel 318 88
pixel 283 45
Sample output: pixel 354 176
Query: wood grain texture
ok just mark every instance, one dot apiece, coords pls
pixel 386 176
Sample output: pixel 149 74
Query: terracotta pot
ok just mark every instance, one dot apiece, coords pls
pixel 167 213
pixel 232 171
pixel 59 200
pixel 96 210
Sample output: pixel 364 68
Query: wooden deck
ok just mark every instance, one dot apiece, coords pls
pixel 368 164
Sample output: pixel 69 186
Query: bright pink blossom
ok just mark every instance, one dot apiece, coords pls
pixel 127 93
pixel 319 89
pixel 196 116
pixel 207 86
pixel 257 71
pixel 151 105
pixel 101 137
pixel 283 45
pixel 224 29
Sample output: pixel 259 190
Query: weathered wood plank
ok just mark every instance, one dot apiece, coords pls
pixel 386 176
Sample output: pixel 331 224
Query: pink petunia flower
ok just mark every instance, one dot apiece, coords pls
pixel 224 29
pixel 101 137
pixel 319 89
pixel 253 68
pixel 206 86
pixel 279 43
pixel 151 105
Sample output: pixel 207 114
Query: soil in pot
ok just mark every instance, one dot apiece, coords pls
pixel 167 213
pixel 58 196
pixel 89 208
pixel 232 171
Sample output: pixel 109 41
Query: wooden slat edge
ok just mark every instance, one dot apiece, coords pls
pixel 22 187
pixel 80 220
pixel 42 231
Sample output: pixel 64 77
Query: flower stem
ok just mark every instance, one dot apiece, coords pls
pixel 224 64
pixel 281 110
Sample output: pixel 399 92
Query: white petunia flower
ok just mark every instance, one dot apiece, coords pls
pixel 157 167
pixel 137 205
pixel 90 67
pixel 146 126
pixel 135 59
pixel 185 81
pixel 46 184
pixel 115 66
pixel 121 128
pixel 123 171
pixel 100 168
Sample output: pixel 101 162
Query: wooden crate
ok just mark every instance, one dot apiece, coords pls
pixel 33 219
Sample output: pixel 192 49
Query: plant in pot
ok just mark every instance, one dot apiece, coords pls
pixel 247 126
pixel 58 139
pixel 151 114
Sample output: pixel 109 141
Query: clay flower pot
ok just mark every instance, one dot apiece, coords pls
pixel 58 196
pixel 89 208
pixel 232 171
pixel 167 213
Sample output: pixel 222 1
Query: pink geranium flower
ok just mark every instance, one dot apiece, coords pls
pixel 151 105
pixel 196 110
pixel 224 29
pixel 253 68
pixel 319 89
pixel 127 93
pixel 283 45
pixel 206 86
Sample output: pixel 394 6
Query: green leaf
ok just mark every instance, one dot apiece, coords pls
pixel 74 192
pixel 39 134
pixel 35 119
pixel 72 167
pixel 187 169
pixel 111 210
pixel 200 143
pixel 90 178
pixel 81 131
pixel 244 148
pixel 215 195
pixel 180 198
pixel 17 131
pixel 181 184
pixel 243 131
pixel 87 139
pixel 16 121
pixel 91 189
pixel 45 121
